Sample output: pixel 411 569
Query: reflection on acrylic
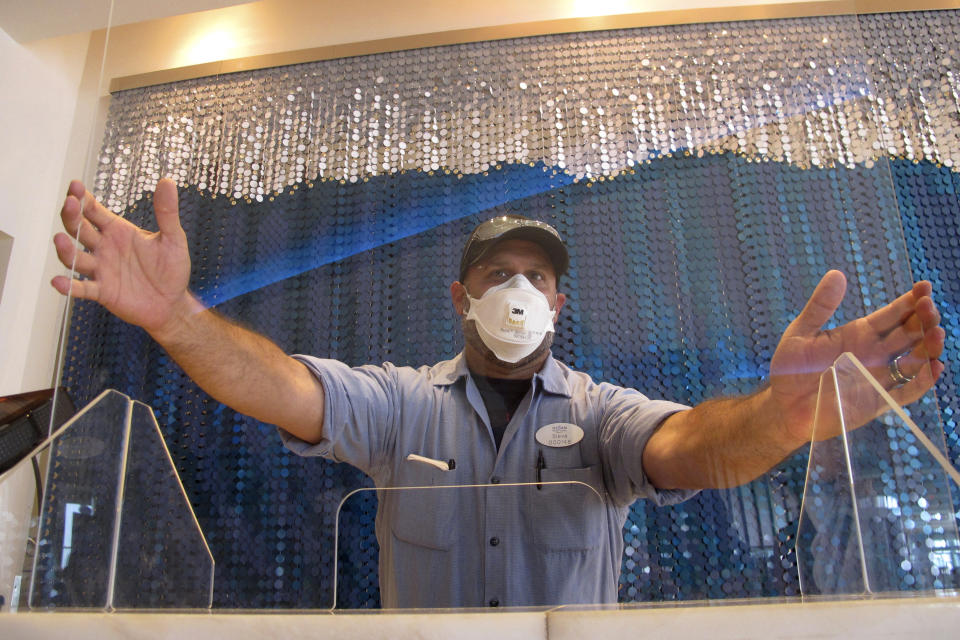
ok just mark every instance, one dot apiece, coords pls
pixel 705 176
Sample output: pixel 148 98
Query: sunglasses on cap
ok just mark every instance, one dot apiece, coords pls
pixel 488 233
pixel 496 227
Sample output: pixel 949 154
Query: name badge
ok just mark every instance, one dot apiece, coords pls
pixel 559 434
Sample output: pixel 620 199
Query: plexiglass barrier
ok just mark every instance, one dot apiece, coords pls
pixel 707 231
pixel 877 514
pixel 509 544
pixel 116 529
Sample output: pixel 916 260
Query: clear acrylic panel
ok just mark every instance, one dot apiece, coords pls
pixel 116 529
pixel 737 241
pixel 436 545
pixel 163 559
pixel 78 513
pixel 877 514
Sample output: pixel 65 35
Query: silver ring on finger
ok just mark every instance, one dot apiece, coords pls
pixel 896 374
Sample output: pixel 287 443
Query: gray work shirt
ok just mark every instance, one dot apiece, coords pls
pixel 499 545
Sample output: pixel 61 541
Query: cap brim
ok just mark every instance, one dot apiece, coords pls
pixel 555 249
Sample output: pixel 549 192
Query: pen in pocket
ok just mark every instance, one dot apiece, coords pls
pixel 541 465
pixel 449 465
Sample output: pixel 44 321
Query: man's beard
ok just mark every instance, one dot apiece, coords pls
pixel 472 337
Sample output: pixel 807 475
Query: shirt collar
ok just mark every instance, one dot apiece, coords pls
pixel 449 371
pixel 552 379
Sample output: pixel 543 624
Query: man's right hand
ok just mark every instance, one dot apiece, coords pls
pixel 142 278
pixel 139 276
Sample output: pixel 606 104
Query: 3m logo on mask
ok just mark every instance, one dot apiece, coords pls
pixel 516 316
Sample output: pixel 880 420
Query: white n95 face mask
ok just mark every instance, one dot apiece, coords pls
pixel 512 318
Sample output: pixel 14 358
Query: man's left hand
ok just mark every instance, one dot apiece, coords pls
pixel 908 327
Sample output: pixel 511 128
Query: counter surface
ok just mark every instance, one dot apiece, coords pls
pixel 719 620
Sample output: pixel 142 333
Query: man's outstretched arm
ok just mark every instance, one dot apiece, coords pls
pixel 143 278
pixel 730 441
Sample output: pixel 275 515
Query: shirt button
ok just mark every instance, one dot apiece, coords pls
pixel 495 480
pixel 494 541
pixel 494 602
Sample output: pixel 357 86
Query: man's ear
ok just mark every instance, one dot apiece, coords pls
pixel 561 299
pixel 458 294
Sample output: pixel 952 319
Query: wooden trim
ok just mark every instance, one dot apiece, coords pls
pixel 527 29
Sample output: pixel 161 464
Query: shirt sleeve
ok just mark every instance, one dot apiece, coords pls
pixel 628 420
pixel 358 414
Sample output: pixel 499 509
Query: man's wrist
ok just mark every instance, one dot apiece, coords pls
pixel 182 312
pixel 792 429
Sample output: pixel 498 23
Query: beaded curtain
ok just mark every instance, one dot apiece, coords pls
pixel 704 176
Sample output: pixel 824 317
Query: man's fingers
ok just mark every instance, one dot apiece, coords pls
pixel 821 306
pixel 918 337
pixel 933 342
pixel 902 338
pixel 922 289
pixel 71 257
pixel 85 289
pixel 889 317
pixel 93 211
pixel 925 378
pixel 166 208
pixel 76 225
pixel 917 360
pixel 927 312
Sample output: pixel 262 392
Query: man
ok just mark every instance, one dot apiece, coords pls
pixel 503 412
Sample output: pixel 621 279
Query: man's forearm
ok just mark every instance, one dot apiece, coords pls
pixel 244 370
pixel 719 443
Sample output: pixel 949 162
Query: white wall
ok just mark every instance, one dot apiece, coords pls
pixel 40 92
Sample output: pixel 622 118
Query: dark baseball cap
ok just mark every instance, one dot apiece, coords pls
pixel 487 234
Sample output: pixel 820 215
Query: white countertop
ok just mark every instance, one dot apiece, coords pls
pixel 879 618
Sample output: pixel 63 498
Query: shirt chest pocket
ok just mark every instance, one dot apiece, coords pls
pixel 423 506
pixel 566 512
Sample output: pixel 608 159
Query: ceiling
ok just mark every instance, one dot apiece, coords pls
pixel 28 20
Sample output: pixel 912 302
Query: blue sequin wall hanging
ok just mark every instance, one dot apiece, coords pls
pixel 705 177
